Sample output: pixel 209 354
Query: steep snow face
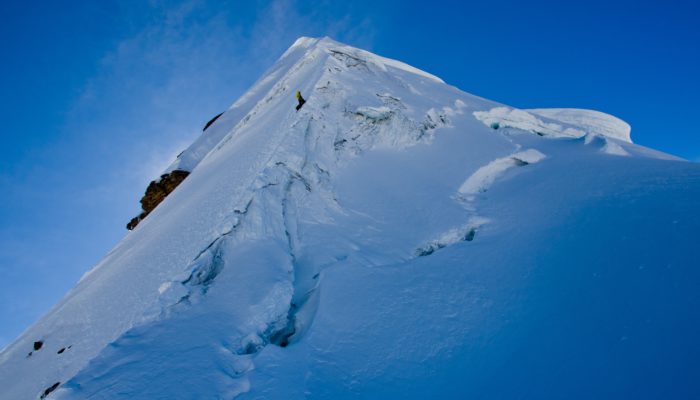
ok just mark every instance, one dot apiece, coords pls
pixel 385 241
pixel 262 90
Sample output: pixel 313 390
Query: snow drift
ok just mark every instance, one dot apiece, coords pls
pixel 386 241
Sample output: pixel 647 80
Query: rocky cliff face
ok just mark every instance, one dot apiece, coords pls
pixel 156 192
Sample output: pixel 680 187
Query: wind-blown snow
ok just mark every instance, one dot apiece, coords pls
pixel 556 122
pixel 506 117
pixel 385 241
pixel 606 144
pixel 590 121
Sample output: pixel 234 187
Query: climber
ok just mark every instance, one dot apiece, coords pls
pixel 301 100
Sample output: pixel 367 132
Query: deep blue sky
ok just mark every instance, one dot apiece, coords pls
pixel 97 98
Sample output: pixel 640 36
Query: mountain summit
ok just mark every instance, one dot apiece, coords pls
pixel 393 238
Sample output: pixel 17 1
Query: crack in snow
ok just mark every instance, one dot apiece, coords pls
pixel 464 233
pixel 481 180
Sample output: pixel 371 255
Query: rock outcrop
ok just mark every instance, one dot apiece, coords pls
pixel 156 192
pixel 211 121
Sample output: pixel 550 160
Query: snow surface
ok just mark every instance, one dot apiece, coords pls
pixel 591 121
pixel 485 176
pixel 557 122
pixel 386 242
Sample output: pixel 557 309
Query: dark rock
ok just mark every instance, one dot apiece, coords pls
pixel 470 235
pixel 61 350
pixel 211 121
pixel 132 224
pixel 156 192
pixel 50 389
pixel 38 344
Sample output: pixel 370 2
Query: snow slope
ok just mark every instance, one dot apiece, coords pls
pixel 387 242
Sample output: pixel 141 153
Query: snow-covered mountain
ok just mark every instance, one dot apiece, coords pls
pixel 394 238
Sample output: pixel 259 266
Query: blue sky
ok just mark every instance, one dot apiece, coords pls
pixel 98 97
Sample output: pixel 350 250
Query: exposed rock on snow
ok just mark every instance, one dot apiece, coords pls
pixel 49 389
pixel 156 192
pixel 211 121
